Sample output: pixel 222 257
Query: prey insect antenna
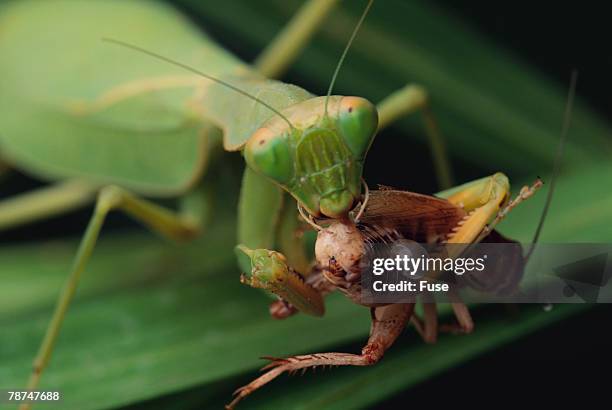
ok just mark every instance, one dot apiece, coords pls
pixel 567 116
pixel 200 73
pixel 308 218
pixel 346 49
pixel 366 197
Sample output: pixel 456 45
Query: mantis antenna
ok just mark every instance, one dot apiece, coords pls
pixel 567 117
pixel 200 73
pixel 342 57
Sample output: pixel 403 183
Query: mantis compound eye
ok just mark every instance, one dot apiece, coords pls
pixel 270 155
pixel 357 122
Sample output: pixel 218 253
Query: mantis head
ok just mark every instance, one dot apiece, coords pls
pixel 316 153
pixel 315 149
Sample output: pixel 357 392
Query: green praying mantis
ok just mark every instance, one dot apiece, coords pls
pixel 110 126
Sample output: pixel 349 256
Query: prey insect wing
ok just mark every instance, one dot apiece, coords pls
pixel 393 214
pixel 418 217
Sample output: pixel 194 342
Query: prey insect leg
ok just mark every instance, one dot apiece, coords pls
pixel 427 327
pixel 387 324
pixel 465 323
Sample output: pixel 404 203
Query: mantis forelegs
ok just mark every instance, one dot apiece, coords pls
pixel 487 202
pixel 259 211
pixel 410 99
pixel 169 224
pixel 268 218
pixel 270 271
pixel 387 324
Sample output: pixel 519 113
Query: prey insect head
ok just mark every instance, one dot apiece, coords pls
pixel 320 159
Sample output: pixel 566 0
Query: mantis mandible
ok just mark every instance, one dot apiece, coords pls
pixel 121 127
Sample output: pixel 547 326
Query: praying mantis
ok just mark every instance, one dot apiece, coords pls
pixel 122 127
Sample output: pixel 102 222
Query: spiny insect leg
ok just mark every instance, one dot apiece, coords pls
pixel 387 324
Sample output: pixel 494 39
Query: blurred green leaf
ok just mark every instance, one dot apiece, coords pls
pixel 581 209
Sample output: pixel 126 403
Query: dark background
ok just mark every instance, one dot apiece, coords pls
pixel 565 361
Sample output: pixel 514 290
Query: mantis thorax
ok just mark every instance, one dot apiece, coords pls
pixel 319 158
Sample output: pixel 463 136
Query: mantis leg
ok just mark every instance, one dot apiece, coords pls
pixel 42 203
pixel 405 101
pixel 387 324
pixel 291 239
pixel 484 200
pixel 259 211
pixel 283 50
pixel 270 271
pixel 169 224
pixel 268 218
